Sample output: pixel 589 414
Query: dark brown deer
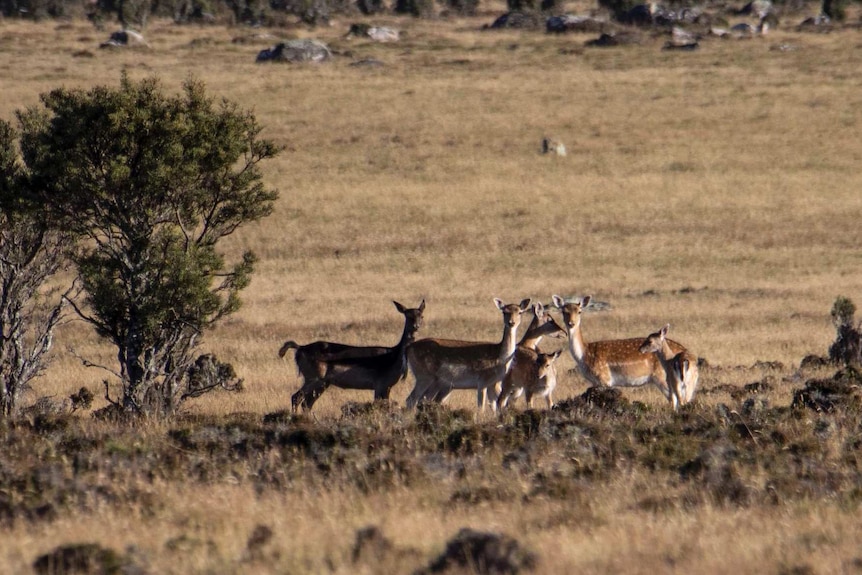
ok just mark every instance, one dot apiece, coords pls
pixel 349 369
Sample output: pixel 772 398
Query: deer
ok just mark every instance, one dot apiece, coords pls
pixel 680 368
pixel 523 374
pixel 348 369
pixel 443 365
pixel 308 356
pixel 612 363
pixel 541 382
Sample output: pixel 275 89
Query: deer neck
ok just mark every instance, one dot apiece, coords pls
pixel 666 354
pixel 530 335
pixel 507 345
pixel 577 346
pixel 408 335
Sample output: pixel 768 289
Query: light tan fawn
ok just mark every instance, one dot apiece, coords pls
pixel 443 365
pixel 612 363
pixel 680 368
pixel 524 373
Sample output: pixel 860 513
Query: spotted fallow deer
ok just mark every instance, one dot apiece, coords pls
pixel 349 369
pixel 443 365
pixel 680 368
pixel 612 363
pixel 541 383
pixel 523 375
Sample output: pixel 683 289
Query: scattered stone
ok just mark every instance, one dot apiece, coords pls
pixel 681 39
pixel 551 146
pixel 623 38
pixel 125 38
pixel 518 20
pixel 376 33
pixel 819 24
pixel 571 23
pixel 296 51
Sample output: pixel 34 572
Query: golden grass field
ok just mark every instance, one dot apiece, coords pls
pixel 717 190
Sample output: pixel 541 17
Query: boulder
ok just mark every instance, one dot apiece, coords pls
pixel 125 38
pixel 519 20
pixel 376 33
pixel 614 39
pixel 296 51
pixel 572 23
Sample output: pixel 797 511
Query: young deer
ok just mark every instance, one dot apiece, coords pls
pixel 349 369
pixel 612 363
pixel 443 365
pixel 523 375
pixel 680 369
pixel 541 382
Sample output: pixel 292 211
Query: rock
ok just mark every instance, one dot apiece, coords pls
pixel 681 39
pixel 820 23
pixel 519 20
pixel 571 23
pixel 296 51
pixel 376 33
pixel 125 38
pixel 550 146
pixel 615 39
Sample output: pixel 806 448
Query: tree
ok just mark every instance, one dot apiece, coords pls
pixel 151 183
pixel 31 253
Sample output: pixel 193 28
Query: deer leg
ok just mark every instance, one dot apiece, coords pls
pixel 314 392
pixel 419 388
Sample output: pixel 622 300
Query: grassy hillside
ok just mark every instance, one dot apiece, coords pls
pixel 715 190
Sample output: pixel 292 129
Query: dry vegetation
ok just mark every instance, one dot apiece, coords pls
pixel 716 190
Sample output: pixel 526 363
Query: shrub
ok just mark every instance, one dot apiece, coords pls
pixel 153 183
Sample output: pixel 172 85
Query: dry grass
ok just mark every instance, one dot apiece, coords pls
pixel 716 190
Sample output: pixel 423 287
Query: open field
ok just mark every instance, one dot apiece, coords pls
pixel 715 190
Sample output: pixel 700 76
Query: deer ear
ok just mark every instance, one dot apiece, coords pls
pixel 585 301
pixel 399 307
pixel 557 353
pixel 558 301
pixel 422 306
pixel 538 309
pixel 664 330
pixel 525 304
pixel 499 303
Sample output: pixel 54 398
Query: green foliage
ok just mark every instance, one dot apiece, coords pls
pixel 153 183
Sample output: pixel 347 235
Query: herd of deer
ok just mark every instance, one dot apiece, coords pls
pixel 499 372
